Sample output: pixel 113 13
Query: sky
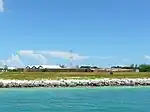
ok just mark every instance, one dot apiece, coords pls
pixel 98 32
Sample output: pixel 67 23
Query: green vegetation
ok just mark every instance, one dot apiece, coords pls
pixel 141 67
pixel 70 75
pixel 144 68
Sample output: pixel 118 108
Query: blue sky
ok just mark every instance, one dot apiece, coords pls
pixel 101 32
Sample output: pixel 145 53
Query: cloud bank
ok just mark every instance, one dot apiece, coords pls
pixel 34 55
pixel 1 5
pixel 64 55
pixel 43 56
pixel 14 61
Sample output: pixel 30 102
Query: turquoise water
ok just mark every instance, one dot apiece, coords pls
pixel 106 99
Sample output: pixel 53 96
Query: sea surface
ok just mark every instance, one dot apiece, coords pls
pixel 104 99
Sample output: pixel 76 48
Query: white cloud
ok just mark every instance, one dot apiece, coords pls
pixel 147 57
pixel 2 62
pixel 1 5
pixel 14 61
pixel 64 55
pixel 34 55
pixel 43 56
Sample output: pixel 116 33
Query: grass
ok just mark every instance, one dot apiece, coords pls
pixel 69 75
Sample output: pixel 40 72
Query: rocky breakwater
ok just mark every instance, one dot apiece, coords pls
pixel 73 83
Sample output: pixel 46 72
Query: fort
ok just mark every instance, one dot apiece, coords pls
pixel 58 76
pixel 57 68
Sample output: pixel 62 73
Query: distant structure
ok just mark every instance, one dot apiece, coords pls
pixel 43 67
pixel 71 59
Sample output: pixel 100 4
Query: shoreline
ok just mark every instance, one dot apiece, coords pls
pixel 104 82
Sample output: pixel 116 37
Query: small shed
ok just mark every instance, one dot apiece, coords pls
pixel 137 70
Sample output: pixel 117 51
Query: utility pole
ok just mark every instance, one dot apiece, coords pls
pixel 71 59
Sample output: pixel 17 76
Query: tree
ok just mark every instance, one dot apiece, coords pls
pixel 62 66
pixel 136 66
pixel 132 66
pixel 144 68
pixel 94 67
pixel 85 67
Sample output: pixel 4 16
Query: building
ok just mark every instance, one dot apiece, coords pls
pixel 43 67
pixel 12 68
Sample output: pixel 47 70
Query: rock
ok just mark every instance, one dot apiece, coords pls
pixel 73 83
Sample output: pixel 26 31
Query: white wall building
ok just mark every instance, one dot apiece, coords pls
pixel 12 68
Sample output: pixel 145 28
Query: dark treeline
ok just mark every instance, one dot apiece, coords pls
pixel 144 68
pixel 141 67
pixel 132 66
